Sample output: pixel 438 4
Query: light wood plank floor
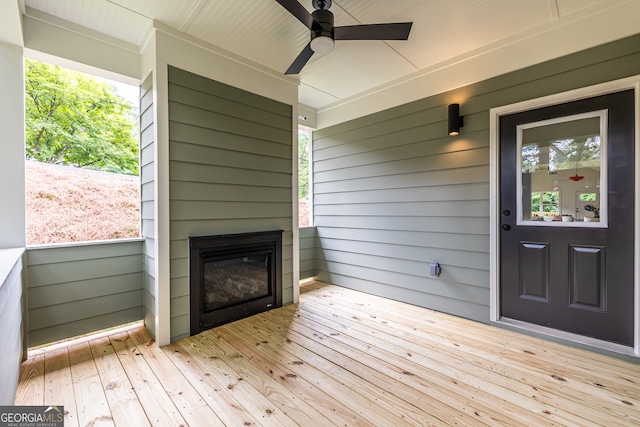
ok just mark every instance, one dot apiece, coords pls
pixel 338 358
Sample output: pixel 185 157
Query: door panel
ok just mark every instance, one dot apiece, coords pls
pixel 534 271
pixel 561 273
pixel 587 278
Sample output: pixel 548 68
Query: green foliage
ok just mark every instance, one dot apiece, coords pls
pixel 589 197
pixel 75 119
pixel 303 165
pixel 550 202
pixel 564 154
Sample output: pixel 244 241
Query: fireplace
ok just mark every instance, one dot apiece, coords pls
pixel 232 276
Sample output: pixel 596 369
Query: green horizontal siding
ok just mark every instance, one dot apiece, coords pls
pixel 307 249
pixel 89 324
pixel 49 274
pixel 393 192
pixel 73 290
pixel 230 171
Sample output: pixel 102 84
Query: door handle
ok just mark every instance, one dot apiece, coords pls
pixel 506 227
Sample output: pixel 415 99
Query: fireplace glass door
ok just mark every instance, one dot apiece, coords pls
pixel 232 276
pixel 240 279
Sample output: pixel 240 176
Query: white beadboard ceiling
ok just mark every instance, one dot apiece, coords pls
pixel 265 33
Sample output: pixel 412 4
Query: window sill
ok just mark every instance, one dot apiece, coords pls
pixel 86 243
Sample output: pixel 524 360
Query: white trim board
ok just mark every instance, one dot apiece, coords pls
pixel 494 207
pixel 603 222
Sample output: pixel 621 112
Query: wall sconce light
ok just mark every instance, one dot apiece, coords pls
pixel 455 119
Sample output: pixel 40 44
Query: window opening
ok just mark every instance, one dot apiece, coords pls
pixel 82 151
pixel 545 205
pixel 304 178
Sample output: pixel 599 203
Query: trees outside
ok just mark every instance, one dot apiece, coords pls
pixel 75 119
pixel 76 122
pixel 563 154
pixel 546 202
pixel 304 139
pixel 303 164
pixel 570 153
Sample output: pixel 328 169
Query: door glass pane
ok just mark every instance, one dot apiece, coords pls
pixel 562 171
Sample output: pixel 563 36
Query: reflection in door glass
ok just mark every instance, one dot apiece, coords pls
pixel 545 203
pixel 561 169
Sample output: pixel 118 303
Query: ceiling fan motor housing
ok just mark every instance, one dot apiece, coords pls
pixel 322 30
pixel 321 4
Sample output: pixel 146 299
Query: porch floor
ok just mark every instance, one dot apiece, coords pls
pixel 339 357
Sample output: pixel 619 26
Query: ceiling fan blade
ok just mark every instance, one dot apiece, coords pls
pixel 301 60
pixel 396 31
pixel 297 10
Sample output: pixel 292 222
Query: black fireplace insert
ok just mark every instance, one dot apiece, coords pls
pixel 233 276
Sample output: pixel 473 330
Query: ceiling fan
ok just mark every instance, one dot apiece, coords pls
pixel 324 34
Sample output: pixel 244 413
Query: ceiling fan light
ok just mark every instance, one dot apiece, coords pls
pixel 322 44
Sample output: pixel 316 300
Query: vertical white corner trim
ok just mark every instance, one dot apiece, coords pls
pixel 494 214
pixel 12 139
pixel 295 223
pixel 162 225
pixel 494 188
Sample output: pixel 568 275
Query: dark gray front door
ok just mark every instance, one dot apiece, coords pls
pixel 567 217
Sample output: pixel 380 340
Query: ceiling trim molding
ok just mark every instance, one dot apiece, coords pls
pixel 80 30
pixel 177 34
pixel 588 28
pixel 208 61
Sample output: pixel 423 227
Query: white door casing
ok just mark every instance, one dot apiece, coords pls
pixel 494 215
